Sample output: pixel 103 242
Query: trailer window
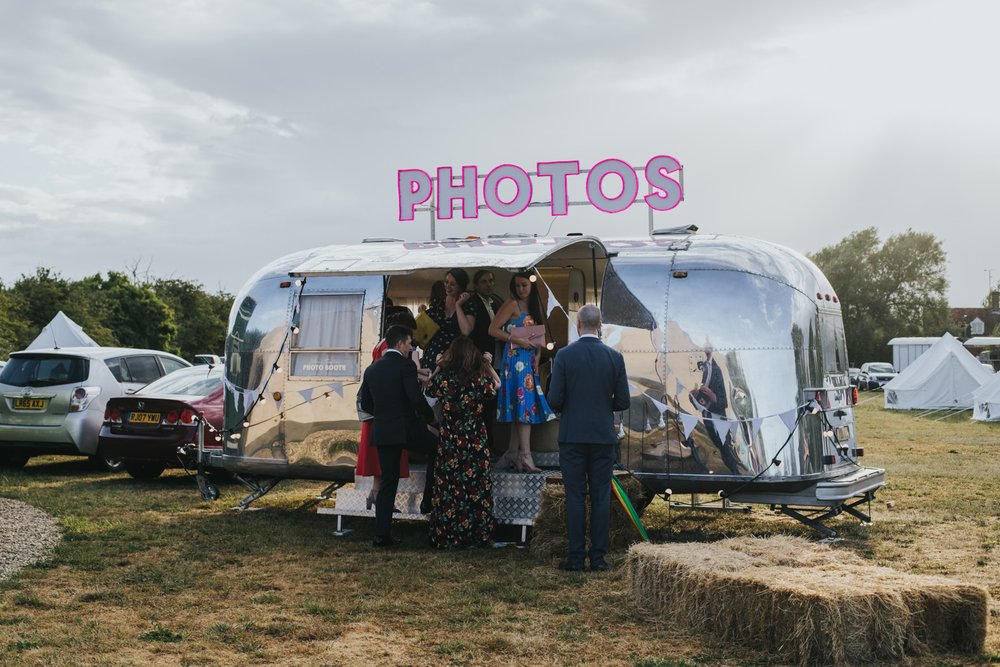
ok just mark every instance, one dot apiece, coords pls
pixel 328 343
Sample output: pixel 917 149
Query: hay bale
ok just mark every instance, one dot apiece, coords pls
pixel 548 532
pixel 807 602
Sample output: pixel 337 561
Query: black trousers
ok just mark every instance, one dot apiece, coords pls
pixel 421 442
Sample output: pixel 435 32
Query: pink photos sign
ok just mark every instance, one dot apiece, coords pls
pixel 416 187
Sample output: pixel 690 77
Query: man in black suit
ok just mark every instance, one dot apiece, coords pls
pixel 588 386
pixel 485 305
pixel 390 391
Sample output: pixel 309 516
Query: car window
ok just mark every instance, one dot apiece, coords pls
pixel 118 369
pixel 881 368
pixel 142 368
pixel 199 382
pixel 170 365
pixel 44 370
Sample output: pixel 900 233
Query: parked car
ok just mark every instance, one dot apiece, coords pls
pixel 52 400
pixel 852 376
pixel 875 374
pixel 147 429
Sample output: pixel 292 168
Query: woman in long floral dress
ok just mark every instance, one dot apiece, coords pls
pixel 462 506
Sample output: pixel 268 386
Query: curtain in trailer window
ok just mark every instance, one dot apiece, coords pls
pixel 330 322
pixel 329 340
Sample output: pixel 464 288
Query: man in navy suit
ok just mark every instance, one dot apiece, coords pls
pixel 391 393
pixel 588 385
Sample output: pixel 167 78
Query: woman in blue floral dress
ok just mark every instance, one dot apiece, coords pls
pixel 462 506
pixel 520 401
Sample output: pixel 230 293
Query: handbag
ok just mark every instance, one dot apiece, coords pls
pixel 426 329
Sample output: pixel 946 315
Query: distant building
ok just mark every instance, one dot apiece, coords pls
pixel 966 319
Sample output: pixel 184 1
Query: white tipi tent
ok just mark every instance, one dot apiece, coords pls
pixel 62 332
pixel 986 401
pixel 943 377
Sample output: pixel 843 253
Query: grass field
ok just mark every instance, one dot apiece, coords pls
pixel 147 573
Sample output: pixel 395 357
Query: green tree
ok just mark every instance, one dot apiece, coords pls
pixel 201 318
pixel 890 289
pixel 12 327
pixel 133 312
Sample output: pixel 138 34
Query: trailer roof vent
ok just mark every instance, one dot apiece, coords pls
pixel 674 231
pixel 382 239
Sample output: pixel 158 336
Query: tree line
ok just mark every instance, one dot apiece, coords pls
pixel 169 314
pixel 887 289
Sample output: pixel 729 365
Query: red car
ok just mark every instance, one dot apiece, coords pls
pixel 146 429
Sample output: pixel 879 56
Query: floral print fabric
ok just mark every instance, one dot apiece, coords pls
pixel 448 331
pixel 521 398
pixel 462 503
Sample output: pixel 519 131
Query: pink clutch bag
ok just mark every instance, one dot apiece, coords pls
pixel 534 334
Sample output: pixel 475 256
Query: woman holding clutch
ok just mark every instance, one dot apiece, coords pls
pixel 520 401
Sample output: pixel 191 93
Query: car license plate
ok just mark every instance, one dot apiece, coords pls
pixel 30 403
pixel 145 418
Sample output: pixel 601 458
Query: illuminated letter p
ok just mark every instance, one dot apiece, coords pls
pixel 414 189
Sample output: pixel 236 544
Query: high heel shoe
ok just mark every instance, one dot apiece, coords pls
pixel 526 464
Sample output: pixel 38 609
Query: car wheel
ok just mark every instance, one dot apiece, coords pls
pixel 108 463
pixel 13 460
pixel 144 470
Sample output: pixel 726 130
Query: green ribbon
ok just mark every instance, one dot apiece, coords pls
pixel 627 504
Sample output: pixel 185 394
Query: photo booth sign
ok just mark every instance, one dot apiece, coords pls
pixel 463 192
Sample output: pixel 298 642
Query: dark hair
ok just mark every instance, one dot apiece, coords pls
pixel 479 274
pixel 534 301
pixel 463 359
pixel 397 334
pixel 400 316
pixel 460 276
pixel 437 291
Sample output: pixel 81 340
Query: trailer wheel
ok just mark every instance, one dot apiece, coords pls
pixel 144 470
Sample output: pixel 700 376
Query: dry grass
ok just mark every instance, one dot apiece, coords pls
pixel 807 602
pixel 149 574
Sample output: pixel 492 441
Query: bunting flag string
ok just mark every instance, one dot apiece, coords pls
pixel 789 417
pixel 723 424
pixel 688 422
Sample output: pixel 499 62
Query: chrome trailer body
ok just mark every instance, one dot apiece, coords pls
pixel 774 327
pixel 302 332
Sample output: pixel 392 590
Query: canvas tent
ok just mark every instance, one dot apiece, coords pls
pixel 943 377
pixel 62 332
pixel 986 401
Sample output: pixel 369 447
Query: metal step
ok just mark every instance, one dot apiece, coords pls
pixel 516 496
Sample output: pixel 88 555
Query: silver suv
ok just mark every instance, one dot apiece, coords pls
pixel 52 401
pixel 875 374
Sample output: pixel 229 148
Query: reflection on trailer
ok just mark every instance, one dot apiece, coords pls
pixel 756 324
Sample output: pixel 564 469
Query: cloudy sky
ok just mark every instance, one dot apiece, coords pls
pixel 202 139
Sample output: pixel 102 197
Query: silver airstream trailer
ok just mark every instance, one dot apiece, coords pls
pixel 734 348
